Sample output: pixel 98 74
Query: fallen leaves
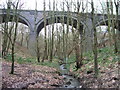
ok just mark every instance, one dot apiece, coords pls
pixel 108 78
pixel 30 76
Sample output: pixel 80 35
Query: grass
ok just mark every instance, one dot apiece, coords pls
pixel 21 60
pixel 106 57
pixel 53 64
pixel 70 61
pixel 8 57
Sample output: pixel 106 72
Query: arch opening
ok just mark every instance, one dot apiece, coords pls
pixel 105 23
pixel 103 36
pixel 58 19
pixel 61 40
pixel 23 28
pixel 21 19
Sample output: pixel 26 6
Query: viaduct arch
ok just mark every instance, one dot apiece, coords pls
pixel 22 19
pixel 27 17
pixel 58 19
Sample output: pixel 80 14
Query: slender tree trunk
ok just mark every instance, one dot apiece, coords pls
pixel 109 22
pixel 5 37
pixel 82 34
pixel 117 3
pixel 52 41
pixel 38 49
pixel 76 44
pixel 45 48
pixel 13 46
pixel 113 30
pixel 68 18
pixel 4 45
pixel 15 18
pixel 118 52
pixel 76 39
pixel 77 50
pixel 12 66
pixel 10 35
pixel 58 41
pixel 95 41
pixel 49 31
pixel 22 39
pixel 27 41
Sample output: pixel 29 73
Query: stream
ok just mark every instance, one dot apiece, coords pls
pixel 70 81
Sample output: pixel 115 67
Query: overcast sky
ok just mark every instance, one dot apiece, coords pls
pixel 30 4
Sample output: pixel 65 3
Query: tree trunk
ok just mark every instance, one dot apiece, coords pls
pixel 12 66
pixel 113 29
pixel 22 39
pixel 117 3
pixel 14 38
pixel 5 38
pixel 95 42
pixel 45 37
pixel 27 41
pixel 109 22
pixel 52 41
pixel 38 49
pixel 76 39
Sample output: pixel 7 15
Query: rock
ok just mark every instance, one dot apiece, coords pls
pixel 89 72
pixel 102 71
pixel 47 80
pixel 114 78
pixel 65 86
pixel 64 68
pixel 55 77
pixel 68 83
pixel 71 79
pixel 64 78
pixel 55 85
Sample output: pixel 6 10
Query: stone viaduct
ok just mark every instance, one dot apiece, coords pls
pixel 27 17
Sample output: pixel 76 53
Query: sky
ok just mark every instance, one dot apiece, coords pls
pixel 30 4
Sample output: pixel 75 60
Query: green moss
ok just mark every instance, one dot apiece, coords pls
pixel 104 54
pixel 106 57
pixel 53 64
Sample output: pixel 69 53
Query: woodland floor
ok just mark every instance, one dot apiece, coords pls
pixel 107 78
pixel 38 76
pixel 29 76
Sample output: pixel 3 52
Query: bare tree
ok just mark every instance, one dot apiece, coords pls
pixel 22 36
pixel 27 39
pixel 6 30
pixel 76 38
pixel 10 32
pixel 95 41
pixel 49 31
pixel 109 21
pixel 117 6
pixel 52 41
pixel 37 37
pixel 45 51
pixel 63 33
pixel 13 39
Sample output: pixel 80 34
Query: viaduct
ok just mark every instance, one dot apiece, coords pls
pixel 27 17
